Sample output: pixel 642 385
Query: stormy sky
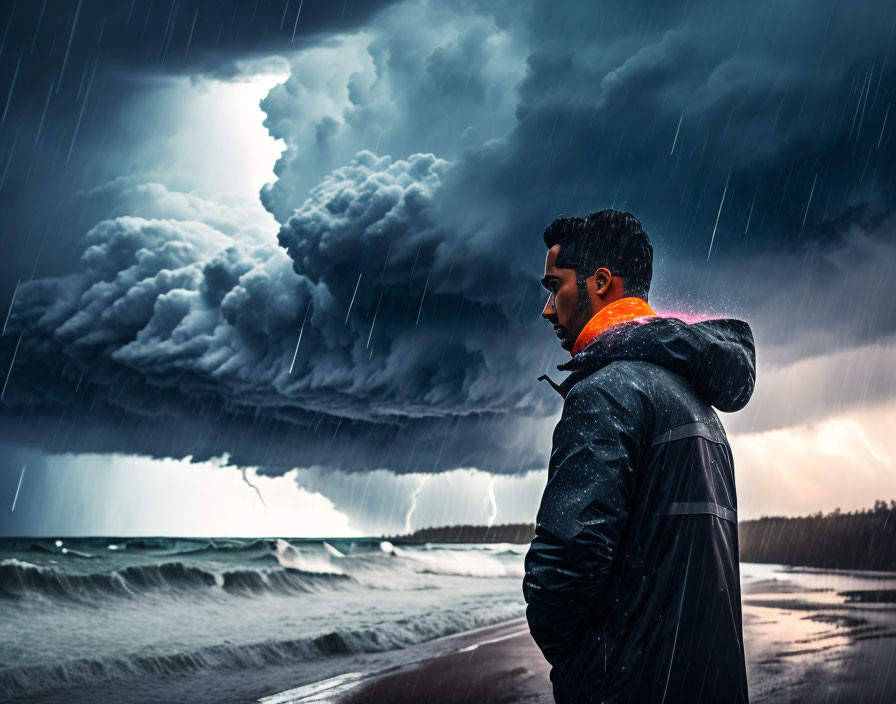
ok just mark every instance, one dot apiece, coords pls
pixel 292 249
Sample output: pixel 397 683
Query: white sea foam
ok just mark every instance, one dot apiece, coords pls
pixel 466 563
pixel 333 551
pixel 289 556
pixel 509 548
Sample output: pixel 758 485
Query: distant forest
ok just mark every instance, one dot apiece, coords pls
pixel 506 533
pixel 854 540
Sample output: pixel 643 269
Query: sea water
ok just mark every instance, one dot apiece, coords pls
pixel 119 617
pixel 236 620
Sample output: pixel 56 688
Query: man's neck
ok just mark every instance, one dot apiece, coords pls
pixel 619 311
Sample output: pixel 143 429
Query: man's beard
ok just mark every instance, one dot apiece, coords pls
pixel 581 317
pixel 566 340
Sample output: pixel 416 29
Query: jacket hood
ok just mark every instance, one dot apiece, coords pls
pixel 717 357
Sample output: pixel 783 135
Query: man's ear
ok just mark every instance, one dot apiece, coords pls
pixel 602 279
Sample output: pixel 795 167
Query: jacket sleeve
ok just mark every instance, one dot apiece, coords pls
pixel 597 449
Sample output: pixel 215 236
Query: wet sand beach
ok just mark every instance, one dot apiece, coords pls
pixel 810 636
pixel 498 663
pixel 821 636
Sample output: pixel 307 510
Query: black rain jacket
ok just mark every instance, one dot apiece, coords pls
pixel 632 581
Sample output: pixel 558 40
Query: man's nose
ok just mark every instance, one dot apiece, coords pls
pixel 550 310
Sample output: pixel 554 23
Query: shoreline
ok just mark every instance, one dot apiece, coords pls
pixel 497 663
pixel 805 641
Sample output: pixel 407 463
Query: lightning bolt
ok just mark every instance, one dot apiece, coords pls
pixel 491 497
pixel 16 497
pixel 246 479
pixel 407 518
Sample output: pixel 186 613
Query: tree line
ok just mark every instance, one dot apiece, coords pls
pixel 854 540
pixel 864 539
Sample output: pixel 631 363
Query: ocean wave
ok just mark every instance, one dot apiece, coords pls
pixel 19 682
pixel 20 579
pixel 333 552
pixel 290 557
pixel 169 546
pixel 504 548
pixel 218 545
pixel 465 563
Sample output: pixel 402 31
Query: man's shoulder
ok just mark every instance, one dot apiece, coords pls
pixel 637 384
pixel 622 375
pixel 621 384
pixel 641 387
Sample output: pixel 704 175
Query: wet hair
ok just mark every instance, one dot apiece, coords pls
pixel 609 238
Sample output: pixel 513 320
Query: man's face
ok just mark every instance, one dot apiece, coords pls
pixel 568 306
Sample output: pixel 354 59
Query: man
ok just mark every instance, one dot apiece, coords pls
pixel 632 581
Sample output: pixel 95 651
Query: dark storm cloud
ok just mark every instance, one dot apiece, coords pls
pixel 448 84
pixel 175 426
pixel 666 111
pixel 425 155
pixel 177 339
pixel 827 330
pixel 186 36
pixel 167 318
pixel 730 134
pixel 69 69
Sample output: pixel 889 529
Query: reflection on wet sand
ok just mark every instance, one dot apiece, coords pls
pixel 819 635
pixel 810 636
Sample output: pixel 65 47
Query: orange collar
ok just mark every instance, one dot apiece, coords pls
pixel 616 312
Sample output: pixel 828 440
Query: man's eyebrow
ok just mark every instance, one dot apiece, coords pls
pixel 547 279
